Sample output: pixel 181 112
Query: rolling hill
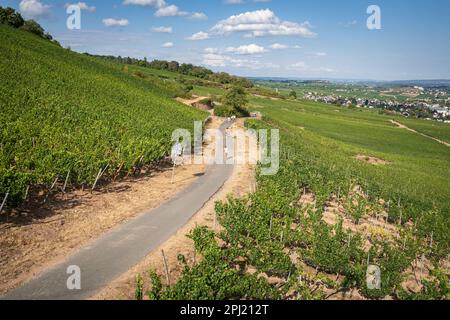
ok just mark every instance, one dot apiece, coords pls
pixel 64 112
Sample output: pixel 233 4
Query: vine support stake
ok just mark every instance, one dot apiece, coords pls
pixel 3 204
pixel 66 181
pixel 26 193
pixel 166 267
pixel 431 240
pixel 387 220
pixel 54 183
pixel 50 191
pixel 422 271
pixel 270 227
pixel 99 175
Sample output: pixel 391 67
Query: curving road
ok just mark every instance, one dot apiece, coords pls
pixel 120 249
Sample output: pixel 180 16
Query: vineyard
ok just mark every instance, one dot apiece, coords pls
pixel 312 230
pixel 353 189
pixel 65 117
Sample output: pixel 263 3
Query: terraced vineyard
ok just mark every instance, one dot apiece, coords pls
pixel 65 113
pixel 312 230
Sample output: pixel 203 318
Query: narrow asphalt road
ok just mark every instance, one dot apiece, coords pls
pixel 120 249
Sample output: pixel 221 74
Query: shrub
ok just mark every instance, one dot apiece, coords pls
pixel 139 74
pixel 10 17
pixel 35 28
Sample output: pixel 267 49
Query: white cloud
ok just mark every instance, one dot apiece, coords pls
pixel 214 60
pixel 170 11
pixel 199 36
pixel 83 6
pixel 233 1
pixel 145 3
pixel 242 1
pixel 211 50
pixel 349 24
pixel 302 66
pixel 198 16
pixel 34 9
pixel 247 49
pixel 325 69
pixel 164 9
pixel 214 57
pixel 299 65
pixel 168 45
pixel 162 29
pixel 319 54
pixel 115 23
pixel 278 46
pixel 261 23
pixel 220 60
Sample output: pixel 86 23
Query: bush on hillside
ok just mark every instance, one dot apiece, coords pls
pixel 293 94
pixel 14 19
pixel 234 103
pixel 10 17
pixel 207 102
pixel 139 74
pixel 33 27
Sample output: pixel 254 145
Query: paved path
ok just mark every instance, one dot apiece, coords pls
pixel 125 246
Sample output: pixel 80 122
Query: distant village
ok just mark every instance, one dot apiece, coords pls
pixel 418 109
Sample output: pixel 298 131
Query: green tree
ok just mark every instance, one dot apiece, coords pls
pixel 33 27
pixel 236 97
pixel 173 66
pixel 235 101
pixel 10 17
pixel 293 95
pixel 188 88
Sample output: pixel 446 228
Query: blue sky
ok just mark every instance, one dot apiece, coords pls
pixel 283 38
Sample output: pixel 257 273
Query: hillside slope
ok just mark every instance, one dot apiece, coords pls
pixel 62 111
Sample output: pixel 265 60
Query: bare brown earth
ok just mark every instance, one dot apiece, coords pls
pixel 45 235
pixel 241 183
pixel 402 126
pixel 191 102
pixel 371 160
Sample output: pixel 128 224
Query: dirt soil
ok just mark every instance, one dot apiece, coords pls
pixel 191 102
pixel 43 236
pixel 123 288
pixel 371 160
